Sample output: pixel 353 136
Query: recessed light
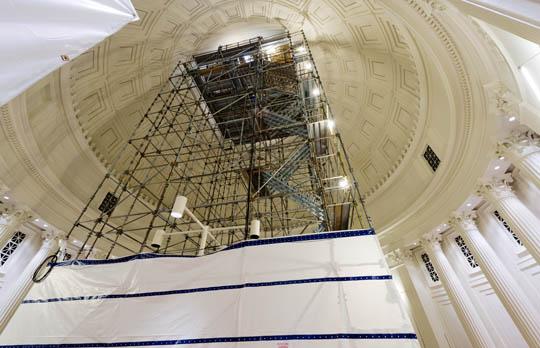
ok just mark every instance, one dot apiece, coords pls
pixel 45 225
pixel 497 167
pixel 316 92
pixel 469 204
pixel 501 158
pixel 6 197
pixel 36 220
pixel 511 118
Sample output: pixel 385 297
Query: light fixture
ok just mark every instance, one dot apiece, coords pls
pixel 530 80
pixel 255 229
pixel 6 197
pixel 270 49
pixel 469 204
pixel 248 58
pixel 316 92
pixel 36 220
pixel 511 118
pixel 344 183
pixel 308 66
pixel 331 124
pixel 497 167
pixel 158 238
pixel 45 225
pixel 179 207
pixel 501 158
pixel 439 229
pixel 301 49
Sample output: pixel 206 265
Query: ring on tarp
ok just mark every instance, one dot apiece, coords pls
pixel 47 264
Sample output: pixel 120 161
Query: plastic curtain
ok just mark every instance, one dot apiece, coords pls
pixel 38 36
pixel 320 290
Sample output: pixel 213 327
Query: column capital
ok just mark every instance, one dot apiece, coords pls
pixel 431 240
pixel 521 144
pixel 464 221
pixel 497 187
pixel 393 259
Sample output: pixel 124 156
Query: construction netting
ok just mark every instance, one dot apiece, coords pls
pixel 37 37
pixel 319 290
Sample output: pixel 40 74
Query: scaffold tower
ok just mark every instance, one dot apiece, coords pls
pixel 245 133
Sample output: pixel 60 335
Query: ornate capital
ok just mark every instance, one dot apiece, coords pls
pixel 431 240
pixel 496 188
pixel 464 221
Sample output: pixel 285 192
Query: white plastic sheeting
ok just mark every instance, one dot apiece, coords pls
pixel 323 290
pixel 38 36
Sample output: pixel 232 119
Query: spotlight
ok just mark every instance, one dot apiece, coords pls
pixel 331 124
pixel 497 167
pixel 316 92
pixel 6 197
pixel 255 229
pixel 344 183
pixel 511 118
pixel 469 204
pixel 158 238
pixel 179 207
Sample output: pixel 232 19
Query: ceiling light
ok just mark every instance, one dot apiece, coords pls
pixel 438 230
pixel 308 66
pixel 469 204
pixel 331 124
pixel 36 220
pixel 45 225
pixel 158 238
pixel 6 197
pixel 179 207
pixel 344 183
pixel 530 80
pixel 316 92
pixel 270 49
pixel 255 229
pixel 501 158
pixel 301 49
pixel 511 118
pixel 497 167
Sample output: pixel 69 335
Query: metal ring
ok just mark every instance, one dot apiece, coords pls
pixel 49 261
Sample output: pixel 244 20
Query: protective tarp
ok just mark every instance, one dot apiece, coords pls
pixel 319 290
pixel 36 37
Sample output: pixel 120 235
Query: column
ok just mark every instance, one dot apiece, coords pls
pixel 16 292
pixel 14 221
pixel 521 220
pixel 505 286
pixel 524 153
pixel 470 319
pixel 424 295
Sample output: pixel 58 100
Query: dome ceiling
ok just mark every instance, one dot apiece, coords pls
pixel 364 58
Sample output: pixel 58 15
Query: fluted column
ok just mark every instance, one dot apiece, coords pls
pixel 14 221
pixel 505 286
pixel 15 293
pixel 524 153
pixel 469 317
pixel 520 219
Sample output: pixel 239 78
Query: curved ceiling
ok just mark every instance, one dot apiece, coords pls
pixel 363 57
pixel 399 75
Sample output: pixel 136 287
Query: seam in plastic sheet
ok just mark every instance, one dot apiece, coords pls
pixel 247 243
pixel 209 288
pixel 297 337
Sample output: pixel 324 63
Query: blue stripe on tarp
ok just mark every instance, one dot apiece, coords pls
pixel 247 243
pixel 210 288
pixel 299 337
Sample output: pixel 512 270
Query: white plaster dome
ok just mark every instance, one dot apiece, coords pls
pixel 363 56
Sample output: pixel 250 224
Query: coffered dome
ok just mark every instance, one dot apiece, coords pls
pixel 363 55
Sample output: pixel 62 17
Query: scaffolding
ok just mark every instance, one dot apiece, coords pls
pixel 244 132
